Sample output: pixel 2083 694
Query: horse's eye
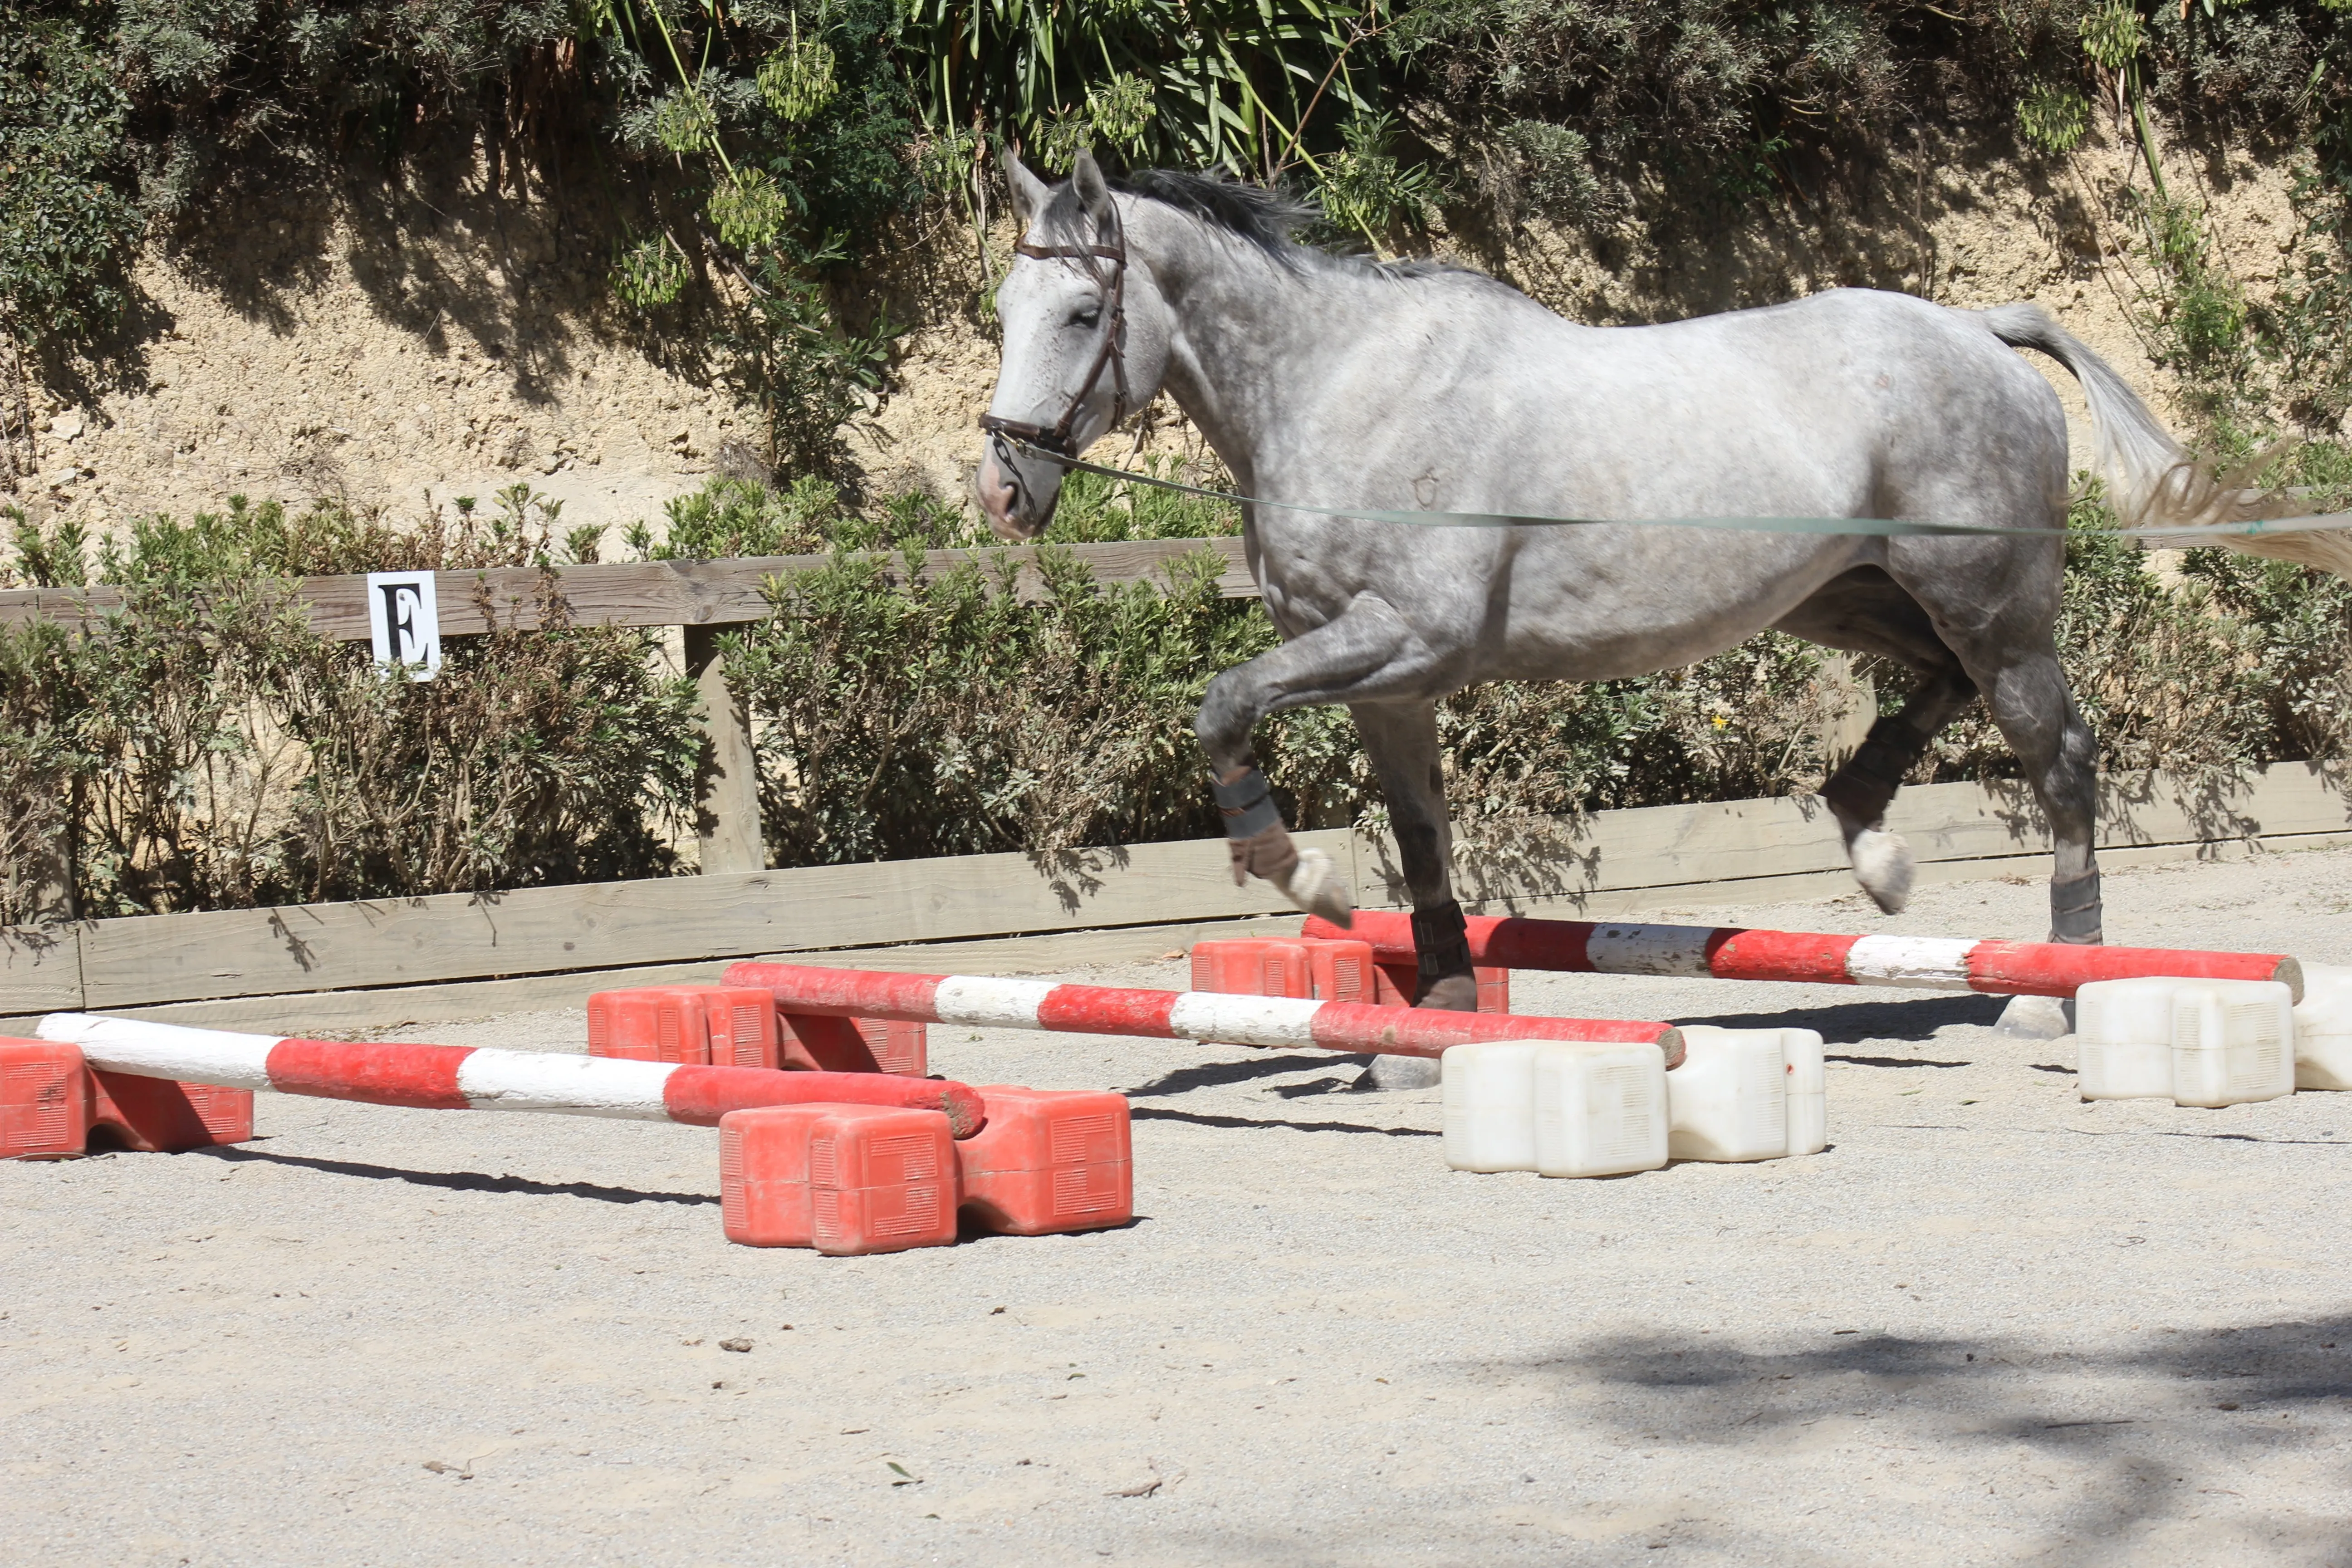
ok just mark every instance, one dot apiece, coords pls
pixel 1087 316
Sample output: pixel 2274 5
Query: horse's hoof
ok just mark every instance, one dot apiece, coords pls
pixel 1392 1073
pixel 1317 887
pixel 1882 864
pixel 2036 1018
pixel 1451 994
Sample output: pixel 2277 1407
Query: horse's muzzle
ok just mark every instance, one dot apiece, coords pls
pixel 1009 499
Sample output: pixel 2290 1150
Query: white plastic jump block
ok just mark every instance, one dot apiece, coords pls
pixel 1600 1109
pixel 1729 1101
pixel 1490 1105
pixel 1808 1089
pixel 1568 1108
pixel 2233 1042
pixel 2205 1042
pixel 2323 1028
pixel 2123 1038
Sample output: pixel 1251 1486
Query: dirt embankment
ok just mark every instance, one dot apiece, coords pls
pixel 403 347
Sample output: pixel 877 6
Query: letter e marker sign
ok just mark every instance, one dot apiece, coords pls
pixel 405 622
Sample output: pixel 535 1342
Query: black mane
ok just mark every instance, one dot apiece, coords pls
pixel 1266 219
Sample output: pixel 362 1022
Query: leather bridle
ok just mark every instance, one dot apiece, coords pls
pixel 1112 355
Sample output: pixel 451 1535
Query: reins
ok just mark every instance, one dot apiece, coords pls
pixel 2146 538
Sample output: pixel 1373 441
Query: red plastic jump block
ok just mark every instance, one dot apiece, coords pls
pixel 44 1100
pixel 825 1044
pixel 51 1104
pixel 1049 1161
pixel 651 1024
pixel 1304 967
pixel 1397 981
pixel 733 1025
pixel 845 1178
pixel 1322 970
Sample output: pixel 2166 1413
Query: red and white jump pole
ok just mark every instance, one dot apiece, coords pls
pixel 1730 952
pixel 977 1002
pixel 462 1077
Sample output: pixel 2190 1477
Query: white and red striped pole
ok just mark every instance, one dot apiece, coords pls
pixel 463 1077
pixel 980 1002
pixel 1730 952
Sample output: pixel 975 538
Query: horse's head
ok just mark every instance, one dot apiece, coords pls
pixel 1085 343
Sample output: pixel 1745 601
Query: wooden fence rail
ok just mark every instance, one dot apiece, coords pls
pixel 648 592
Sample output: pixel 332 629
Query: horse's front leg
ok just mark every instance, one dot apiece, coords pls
pixel 1366 653
pixel 1401 739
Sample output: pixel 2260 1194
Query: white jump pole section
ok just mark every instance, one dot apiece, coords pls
pixel 463 1077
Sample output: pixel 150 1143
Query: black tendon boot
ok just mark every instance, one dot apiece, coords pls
pixel 1441 944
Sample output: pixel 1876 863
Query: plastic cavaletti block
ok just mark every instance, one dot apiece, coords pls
pixel 845 1179
pixel 44 1100
pixel 1253 966
pixel 2123 1038
pixel 1600 1109
pixel 1808 1086
pixel 1049 1161
pixel 157 1116
pixel 651 1024
pixel 741 1023
pixel 822 1044
pixel 2233 1042
pixel 1490 1105
pixel 1394 983
pixel 54 1106
pixel 1729 1099
pixel 2323 1028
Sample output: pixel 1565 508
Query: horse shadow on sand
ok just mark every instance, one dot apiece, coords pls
pixel 2165 1421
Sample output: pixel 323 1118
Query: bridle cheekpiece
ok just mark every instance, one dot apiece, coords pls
pixel 1112 355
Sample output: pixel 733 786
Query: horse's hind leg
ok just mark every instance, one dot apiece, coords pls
pixel 2035 711
pixel 1401 740
pixel 1867 611
pixel 1860 792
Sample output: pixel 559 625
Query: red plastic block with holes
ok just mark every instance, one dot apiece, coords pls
pixel 156 1116
pixel 44 1100
pixel 1340 971
pixel 845 1179
pixel 1396 981
pixel 52 1106
pixel 1253 966
pixel 651 1024
pixel 1049 1161
pixel 741 1026
pixel 853 1045
pixel 763 1191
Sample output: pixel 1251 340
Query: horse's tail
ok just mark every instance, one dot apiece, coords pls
pixel 2152 481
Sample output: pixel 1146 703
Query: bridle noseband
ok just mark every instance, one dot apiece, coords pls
pixel 1056 437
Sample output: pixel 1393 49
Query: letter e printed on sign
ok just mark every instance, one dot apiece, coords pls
pixel 405 622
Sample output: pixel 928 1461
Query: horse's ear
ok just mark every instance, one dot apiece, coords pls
pixel 1093 191
pixel 1029 192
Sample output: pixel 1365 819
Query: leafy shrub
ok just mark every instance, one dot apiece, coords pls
pixel 218 753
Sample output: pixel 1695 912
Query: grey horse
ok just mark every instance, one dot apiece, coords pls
pixel 1347 383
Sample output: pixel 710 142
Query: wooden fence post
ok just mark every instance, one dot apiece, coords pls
pixel 1843 732
pixel 727 813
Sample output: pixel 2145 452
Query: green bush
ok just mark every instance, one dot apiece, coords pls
pixel 208 749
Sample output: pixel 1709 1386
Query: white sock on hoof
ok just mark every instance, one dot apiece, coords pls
pixel 1882 864
pixel 1317 887
pixel 1403 1072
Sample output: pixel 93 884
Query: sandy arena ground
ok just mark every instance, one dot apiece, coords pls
pixel 1991 1324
